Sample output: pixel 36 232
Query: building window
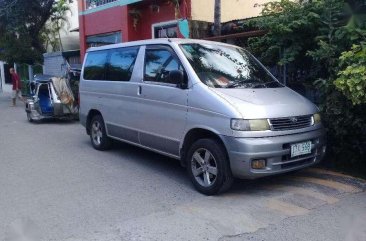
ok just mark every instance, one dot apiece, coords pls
pixel 89 4
pixel 165 30
pixel 103 39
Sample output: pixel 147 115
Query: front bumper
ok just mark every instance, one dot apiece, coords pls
pixel 275 150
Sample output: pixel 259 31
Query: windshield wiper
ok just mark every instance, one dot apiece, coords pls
pixel 233 85
pixel 241 83
pixel 267 84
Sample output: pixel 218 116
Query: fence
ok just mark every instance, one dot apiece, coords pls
pixel 23 71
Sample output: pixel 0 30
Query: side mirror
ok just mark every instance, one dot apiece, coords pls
pixel 177 76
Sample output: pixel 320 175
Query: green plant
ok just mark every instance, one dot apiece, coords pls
pixel 315 38
pixel 351 79
pixel 346 132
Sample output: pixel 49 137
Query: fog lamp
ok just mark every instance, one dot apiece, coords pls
pixel 259 164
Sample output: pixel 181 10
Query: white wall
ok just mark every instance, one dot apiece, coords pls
pixel 7 88
pixel 54 64
pixel 71 40
pixel 1 76
pixel 230 9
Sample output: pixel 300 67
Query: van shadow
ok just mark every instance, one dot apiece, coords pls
pixel 171 169
pixel 155 162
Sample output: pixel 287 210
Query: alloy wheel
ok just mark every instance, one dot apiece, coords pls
pixel 96 133
pixel 204 167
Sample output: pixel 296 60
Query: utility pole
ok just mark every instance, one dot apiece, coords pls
pixel 217 16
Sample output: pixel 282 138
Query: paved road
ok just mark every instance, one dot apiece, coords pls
pixel 55 186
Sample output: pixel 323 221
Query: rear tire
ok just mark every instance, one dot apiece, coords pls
pixel 98 134
pixel 208 167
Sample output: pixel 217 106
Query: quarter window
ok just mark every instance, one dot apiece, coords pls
pixel 158 64
pixel 95 65
pixel 121 64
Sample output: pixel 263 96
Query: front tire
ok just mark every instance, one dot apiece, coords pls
pixel 98 134
pixel 208 167
pixel 29 117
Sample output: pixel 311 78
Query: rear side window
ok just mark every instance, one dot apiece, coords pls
pixel 121 64
pixel 95 65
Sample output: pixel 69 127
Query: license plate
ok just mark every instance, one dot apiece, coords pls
pixel 300 149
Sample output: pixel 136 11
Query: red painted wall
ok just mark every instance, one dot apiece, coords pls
pixel 106 21
pixel 148 18
pixel 118 19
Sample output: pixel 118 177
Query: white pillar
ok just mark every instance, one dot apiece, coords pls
pixel 2 77
pixel 30 72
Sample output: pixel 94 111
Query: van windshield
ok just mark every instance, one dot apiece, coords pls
pixel 220 66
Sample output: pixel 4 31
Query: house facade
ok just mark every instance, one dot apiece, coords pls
pixel 113 21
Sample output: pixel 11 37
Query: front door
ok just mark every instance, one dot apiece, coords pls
pixel 163 104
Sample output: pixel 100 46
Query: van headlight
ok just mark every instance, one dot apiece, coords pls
pixel 316 119
pixel 250 125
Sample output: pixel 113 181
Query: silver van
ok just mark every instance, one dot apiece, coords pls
pixel 212 106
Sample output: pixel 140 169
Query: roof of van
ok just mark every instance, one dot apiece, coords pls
pixel 152 41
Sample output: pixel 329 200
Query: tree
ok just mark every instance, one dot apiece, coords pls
pixel 53 27
pixel 315 38
pixel 22 22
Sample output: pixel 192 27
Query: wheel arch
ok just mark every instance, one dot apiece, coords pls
pixel 194 135
pixel 91 114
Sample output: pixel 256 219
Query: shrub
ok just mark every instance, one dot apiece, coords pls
pixel 351 79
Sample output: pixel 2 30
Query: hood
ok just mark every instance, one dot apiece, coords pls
pixel 267 102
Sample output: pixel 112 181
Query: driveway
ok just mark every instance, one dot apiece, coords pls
pixel 55 186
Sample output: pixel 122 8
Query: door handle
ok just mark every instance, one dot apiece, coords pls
pixel 139 90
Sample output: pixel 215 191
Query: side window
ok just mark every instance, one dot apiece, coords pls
pixel 95 65
pixel 121 64
pixel 158 64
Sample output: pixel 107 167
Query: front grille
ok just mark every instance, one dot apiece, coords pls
pixel 290 123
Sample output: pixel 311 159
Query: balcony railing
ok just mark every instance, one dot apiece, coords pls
pixel 89 4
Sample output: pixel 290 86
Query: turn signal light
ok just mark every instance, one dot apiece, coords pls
pixel 259 164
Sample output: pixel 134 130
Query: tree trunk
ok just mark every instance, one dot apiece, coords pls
pixel 59 36
pixel 217 15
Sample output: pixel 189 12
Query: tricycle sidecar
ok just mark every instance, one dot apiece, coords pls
pixel 52 98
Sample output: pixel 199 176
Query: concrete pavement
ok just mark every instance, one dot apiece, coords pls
pixel 55 186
